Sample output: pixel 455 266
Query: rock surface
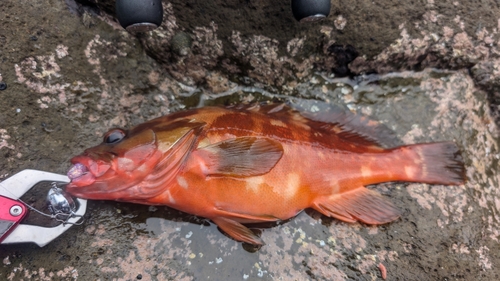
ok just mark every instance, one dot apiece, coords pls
pixel 72 73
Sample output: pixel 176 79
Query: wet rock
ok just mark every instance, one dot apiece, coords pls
pixel 486 74
pixel 88 19
pixel 387 37
pixel 218 83
pixel 343 55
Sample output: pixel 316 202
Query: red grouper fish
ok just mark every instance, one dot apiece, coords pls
pixel 259 163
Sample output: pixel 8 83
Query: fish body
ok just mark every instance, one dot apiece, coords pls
pixel 260 163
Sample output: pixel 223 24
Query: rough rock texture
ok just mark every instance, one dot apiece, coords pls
pixel 262 40
pixel 72 73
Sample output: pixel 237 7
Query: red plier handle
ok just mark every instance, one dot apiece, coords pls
pixel 12 210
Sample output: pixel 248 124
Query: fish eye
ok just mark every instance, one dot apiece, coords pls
pixel 114 136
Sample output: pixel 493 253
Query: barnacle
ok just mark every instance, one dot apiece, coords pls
pixel 181 43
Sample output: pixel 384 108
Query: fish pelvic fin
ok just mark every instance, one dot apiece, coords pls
pixel 237 231
pixel 434 163
pixel 360 204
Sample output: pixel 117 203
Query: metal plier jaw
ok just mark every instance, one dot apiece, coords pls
pixel 16 186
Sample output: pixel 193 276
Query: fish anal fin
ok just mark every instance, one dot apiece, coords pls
pixel 360 204
pixel 240 157
pixel 237 231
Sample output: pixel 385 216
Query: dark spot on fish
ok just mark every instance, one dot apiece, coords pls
pixel 274 130
pixel 3 86
pixel 234 120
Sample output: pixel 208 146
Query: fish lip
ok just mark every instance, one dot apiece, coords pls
pixel 83 176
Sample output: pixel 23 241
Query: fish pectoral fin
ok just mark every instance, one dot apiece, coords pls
pixel 237 231
pixel 361 204
pixel 168 166
pixel 241 157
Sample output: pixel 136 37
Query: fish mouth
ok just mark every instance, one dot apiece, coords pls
pixel 80 172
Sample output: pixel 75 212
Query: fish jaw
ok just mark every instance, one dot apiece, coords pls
pixel 84 175
pixel 97 179
pixel 85 170
pixel 80 175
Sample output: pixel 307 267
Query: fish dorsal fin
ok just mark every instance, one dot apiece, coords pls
pixel 240 157
pixel 347 125
pixel 328 117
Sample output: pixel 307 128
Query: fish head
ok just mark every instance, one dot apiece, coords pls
pixel 132 164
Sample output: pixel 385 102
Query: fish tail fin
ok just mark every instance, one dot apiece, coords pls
pixel 360 204
pixel 434 163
